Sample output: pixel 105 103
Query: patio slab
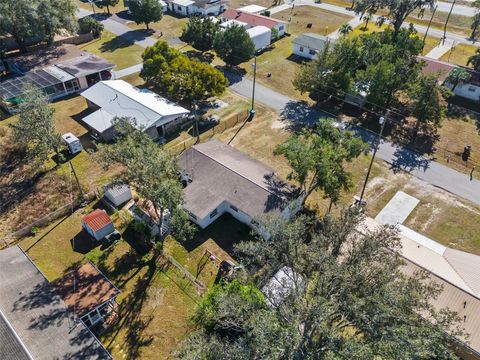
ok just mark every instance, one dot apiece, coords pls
pixel 397 209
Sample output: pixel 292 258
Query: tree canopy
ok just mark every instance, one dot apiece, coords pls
pixel 147 167
pixel 145 11
pixel 35 128
pixel 317 159
pixel 348 298
pixel 456 77
pixel 179 77
pixel 474 60
pixel 233 45
pixel 106 3
pixel 26 19
pixel 200 32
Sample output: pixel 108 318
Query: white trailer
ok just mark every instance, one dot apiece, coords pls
pixel 261 36
pixel 73 143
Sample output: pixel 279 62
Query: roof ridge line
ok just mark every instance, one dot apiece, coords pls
pixel 227 167
pixel 455 269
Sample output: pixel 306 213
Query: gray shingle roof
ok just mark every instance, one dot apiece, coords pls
pixel 220 173
pixel 10 346
pixel 311 41
pixel 38 315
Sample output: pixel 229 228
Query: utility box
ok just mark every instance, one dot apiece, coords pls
pixel 73 143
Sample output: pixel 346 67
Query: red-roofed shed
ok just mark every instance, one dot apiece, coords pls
pixel 98 224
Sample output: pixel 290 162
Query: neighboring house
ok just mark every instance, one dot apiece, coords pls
pixel 252 9
pixel 470 89
pixel 59 71
pixel 34 321
pixel 280 286
pixel 116 98
pixel 118 194
pixel 308 45
pixel 261 37
pixel 253 20
pixel 197 7
pixel 222 180
pixel 457 272
pixel 88 294
pixel 98 224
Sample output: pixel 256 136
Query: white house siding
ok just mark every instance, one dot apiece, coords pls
pixel 99 235
pixel 281 28
pixel 304 51
pixel 468 91
pixel 211 10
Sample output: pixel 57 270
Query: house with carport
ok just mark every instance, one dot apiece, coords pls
pixel 197 7
pixel 153 114
pixel 251 20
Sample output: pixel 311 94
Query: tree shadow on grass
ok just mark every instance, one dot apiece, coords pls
pixel 132 316
pixel 117 43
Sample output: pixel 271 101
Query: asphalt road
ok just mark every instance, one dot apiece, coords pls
pixel 399 158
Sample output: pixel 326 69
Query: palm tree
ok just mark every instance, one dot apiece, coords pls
pixel 474 60
pixel 345 29
pixel 475 23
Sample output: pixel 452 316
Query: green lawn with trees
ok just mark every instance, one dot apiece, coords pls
pixel 145 11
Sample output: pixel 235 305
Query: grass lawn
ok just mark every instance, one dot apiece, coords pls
pixel 458 24
pixel 459 54
pixel 430 43
pixel 171 26
pixel 371 28
pixel 113 9
pixel 323 22
pixel 281 64
pixel 115 49
pixel 341 3
pixel 155 303
pixel 441 216
pixel 235 4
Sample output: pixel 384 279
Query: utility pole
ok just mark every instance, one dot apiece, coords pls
pixel 428 27
pixel 93 6
pixel 196 121
pixel 254 79
pixel 382 122
pixel 76 179
pixel 446 22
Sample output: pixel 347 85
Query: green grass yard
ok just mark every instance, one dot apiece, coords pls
pixel 459 54
pixel 170 26
pixel 115 49
pixel 323 22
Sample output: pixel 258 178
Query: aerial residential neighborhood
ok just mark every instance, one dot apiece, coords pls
pixel 239 179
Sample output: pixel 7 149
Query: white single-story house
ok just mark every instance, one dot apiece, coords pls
pixel 255 20
pixel 88 294
pixel 116 98
pixel 98 224
pixel 470 89
pixel 197 7
pixel 252 9
pixel 225 180
pixel 261 36
pixel 118 194
pixel 58 71
pixel 308 45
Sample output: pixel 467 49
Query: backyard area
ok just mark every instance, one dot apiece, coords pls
pixel 115 49
pixel 156 300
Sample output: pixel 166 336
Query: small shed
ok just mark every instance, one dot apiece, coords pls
pixel 98 224
pixel 261 36
pixel 72 142
pixel 118 194
pixel 308 45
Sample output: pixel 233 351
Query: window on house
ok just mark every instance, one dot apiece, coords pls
pixel 179 8
pixel 280 28
pixel 234 208
pixel 472 88
pixel 312 52
pixel 213 213
pixel 301 48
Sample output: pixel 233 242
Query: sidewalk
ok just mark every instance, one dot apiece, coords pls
pixel 438 51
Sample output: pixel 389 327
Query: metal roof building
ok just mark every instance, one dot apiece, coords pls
pixel 34 321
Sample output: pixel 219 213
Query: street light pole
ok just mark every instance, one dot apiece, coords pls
pixel 382 122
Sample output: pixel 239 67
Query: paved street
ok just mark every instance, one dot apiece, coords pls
pixel 297 112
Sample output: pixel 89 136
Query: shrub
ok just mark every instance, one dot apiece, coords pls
pixel 91 25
